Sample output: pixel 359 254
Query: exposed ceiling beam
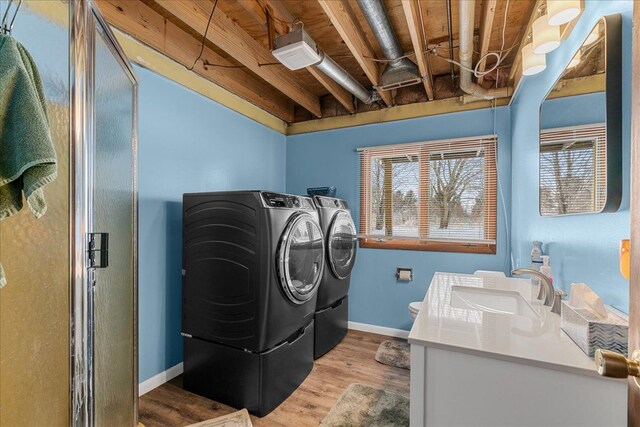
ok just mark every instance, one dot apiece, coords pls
pixel 412 9
pixel 149 27
pixel 486 27
pixel 228 36
pixel 258 10
pixel 515 74
pixel 343 19
pixel 283 16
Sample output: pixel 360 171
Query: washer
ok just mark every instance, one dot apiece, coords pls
pixel 252 266
pixel 332 312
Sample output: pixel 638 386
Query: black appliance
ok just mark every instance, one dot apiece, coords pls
pixel 332 310
pixel 252 262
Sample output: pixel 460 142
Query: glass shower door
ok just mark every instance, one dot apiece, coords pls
pixel 112 206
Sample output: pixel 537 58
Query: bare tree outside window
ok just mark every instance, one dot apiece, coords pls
pixel 438 195
pixel 456 193
pixel 569 177
pixel 394 200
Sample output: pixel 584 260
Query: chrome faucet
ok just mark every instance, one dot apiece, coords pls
pixel 548 293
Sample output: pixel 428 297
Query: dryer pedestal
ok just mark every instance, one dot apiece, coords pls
pixel 242 379
pixel 331 326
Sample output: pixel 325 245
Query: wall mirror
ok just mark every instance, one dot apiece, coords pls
pixel 581 129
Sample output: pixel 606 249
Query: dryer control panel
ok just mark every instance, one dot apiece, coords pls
pixel 331 202
pixel 277 200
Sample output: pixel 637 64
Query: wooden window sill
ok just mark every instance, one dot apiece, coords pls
pixel 415 245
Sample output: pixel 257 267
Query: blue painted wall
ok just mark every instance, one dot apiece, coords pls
pixel 330 158
pixel 583 248
pixel 186 143
pixel 189 143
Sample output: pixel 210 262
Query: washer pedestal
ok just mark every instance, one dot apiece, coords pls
pixel 242 379
pixel 331 326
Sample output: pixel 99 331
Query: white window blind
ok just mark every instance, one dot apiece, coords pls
pixel 430 191
pixel 573 170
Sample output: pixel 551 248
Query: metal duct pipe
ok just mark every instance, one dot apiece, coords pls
pixel 465 50
pixel 399 72
pixel 344 79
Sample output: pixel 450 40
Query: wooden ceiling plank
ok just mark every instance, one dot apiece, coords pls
pixel 146 25
pixel 280 13
pixel 283 15
pixel 228 36
pixel 258 10
pixel 486 27
pixel 414 22
pixel 342 18
pixel 515 74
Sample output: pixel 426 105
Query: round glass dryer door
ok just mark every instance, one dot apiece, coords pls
pixel 342 245
pixel 301 258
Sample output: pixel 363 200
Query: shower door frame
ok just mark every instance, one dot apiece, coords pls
pixel 85 20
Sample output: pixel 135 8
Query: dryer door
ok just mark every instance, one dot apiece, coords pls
pixel 342 245
pixel 301 258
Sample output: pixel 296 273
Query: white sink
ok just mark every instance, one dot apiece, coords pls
pixel 495 301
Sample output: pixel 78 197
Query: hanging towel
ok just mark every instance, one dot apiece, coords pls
pixel 27 156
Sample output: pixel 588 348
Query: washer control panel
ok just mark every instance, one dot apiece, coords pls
pixel 330 202
pixel 287 201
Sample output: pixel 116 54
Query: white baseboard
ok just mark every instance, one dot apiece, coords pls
pixel 157 380
pixel 381 330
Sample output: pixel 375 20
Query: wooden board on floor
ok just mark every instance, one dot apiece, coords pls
pixel 352 361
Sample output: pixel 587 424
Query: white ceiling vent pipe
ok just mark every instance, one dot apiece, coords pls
pixel 465 49
pixel 399 72
pixel 297 50
pixel 344 79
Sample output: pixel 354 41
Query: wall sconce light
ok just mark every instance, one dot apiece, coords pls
pixel 532 63
pixel 546 37
pixel 562 11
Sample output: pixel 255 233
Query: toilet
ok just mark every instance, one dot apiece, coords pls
pixel 414 308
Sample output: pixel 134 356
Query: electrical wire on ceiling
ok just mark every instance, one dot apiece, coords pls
pixel 204 37
pixel 499 55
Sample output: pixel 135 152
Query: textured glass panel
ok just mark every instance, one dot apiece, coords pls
pixel 306 257
pixel 342 245
pixel 113 214
pixel 34 305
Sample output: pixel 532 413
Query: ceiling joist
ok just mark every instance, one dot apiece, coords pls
pixel 343 20
pixel 282 17
pixel 413 15
pixel 228 36
pixel 152 29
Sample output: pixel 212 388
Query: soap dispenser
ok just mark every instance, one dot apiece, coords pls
pixel 536 255
pixel 546 268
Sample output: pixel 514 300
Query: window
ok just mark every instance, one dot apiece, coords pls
pixel 438 195
pixel 573 170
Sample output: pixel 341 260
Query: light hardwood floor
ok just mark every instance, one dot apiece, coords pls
pixel 352 361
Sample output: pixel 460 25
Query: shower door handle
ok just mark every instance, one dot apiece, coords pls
pixel 98 250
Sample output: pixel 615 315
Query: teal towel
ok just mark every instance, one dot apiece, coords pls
pixel 27 156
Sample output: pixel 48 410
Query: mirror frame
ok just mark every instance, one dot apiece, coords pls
pixel 613 115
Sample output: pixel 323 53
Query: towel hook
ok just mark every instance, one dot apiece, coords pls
pixel 7 24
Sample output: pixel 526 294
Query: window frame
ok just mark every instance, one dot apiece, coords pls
pixel 423 243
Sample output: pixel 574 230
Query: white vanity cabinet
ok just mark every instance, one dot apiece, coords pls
pixel 479 357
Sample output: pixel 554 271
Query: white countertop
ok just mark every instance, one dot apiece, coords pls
pixel 534 341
